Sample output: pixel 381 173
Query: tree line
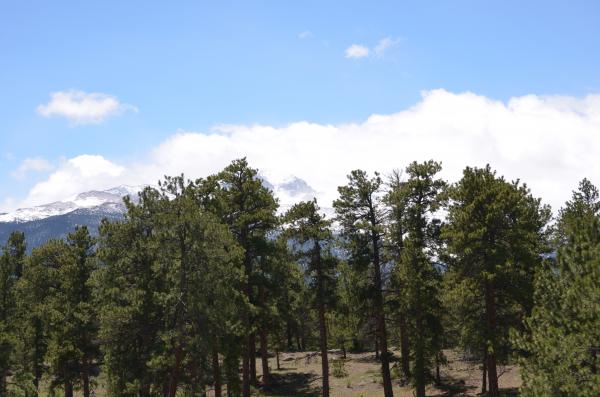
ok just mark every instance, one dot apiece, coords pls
pixel 203 277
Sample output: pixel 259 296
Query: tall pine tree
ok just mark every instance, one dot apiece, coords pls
pixel 310 233
pixel 562 339
pixel 360 214
pixel 249 209
pixel 496 236
pixel 418 199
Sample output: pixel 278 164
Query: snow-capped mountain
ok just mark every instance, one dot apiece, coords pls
pixel 56 220
pixel 97 201
pixel 291 191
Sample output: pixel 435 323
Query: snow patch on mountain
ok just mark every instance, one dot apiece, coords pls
pixel 293 190
pixel 97 201
pixel 110 201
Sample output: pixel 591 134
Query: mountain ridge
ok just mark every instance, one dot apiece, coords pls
pixel 57 219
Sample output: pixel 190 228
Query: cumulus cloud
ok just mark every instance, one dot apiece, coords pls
pixel 83 108
pixel 31 164
pixel 360 51
pixel 357 51
pixel 384 45
pixel 549 142
pixel 76 175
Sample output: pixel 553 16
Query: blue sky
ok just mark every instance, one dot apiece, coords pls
pixel 188 66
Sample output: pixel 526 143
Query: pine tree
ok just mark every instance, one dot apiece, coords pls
pixel 310 233
pixel 464 314
pixel 11 270
pixel 33 299
pixel 348 327
pixel 83 246
pixel 169 293
pixel 360 214
pixel 209 256
pixel 249 209
pixel 396 199
pixel 562 338
pixel 271 273
pixel 414 204
pixel 126 285
pixel 72 351
pixel 495 235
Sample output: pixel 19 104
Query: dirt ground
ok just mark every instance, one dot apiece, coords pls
pixel 300 376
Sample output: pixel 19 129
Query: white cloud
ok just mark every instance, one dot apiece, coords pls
pixel 76 175
pixel 7 204
pixel 384 44
pixel 307 34
pixel 361 51
pixel 83 108
pixel 549 142
pixel 357 51
pixel 35 164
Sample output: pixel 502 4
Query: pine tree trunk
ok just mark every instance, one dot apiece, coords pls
pixel 245 371
pixel 264 357
pixel 3 384
pixel 437 369
pixel 303 336
pixel 419 372
pixel 86 383
pixel 288 330
pixel 343 350
pixel 322 323
pixel 404 346
pixel 277 358
pixel 490 305
pixel 216 372
pixel 382 332
pixel 323 345
pixel 231 369
pixel 193 387
pixel 404 340
pixel 196 386
pixel 38 353
pixel 174 376
pixel 376 348
pixel 249 351
pixel 68 389
pixel 166 388
pixel 484 373
pixel 144 390
pixel 252 346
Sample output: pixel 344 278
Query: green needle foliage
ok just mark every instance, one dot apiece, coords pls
pixel 415 203
pixel 72 350
pixel 202 279
pixel 125 286
pixel 11 270
pixel 248 208
pixel 562 338
pixel 310 234
pixel 167 299
pixel 360 214
pixel 496 237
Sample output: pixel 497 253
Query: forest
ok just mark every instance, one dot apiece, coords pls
pixel 205 280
